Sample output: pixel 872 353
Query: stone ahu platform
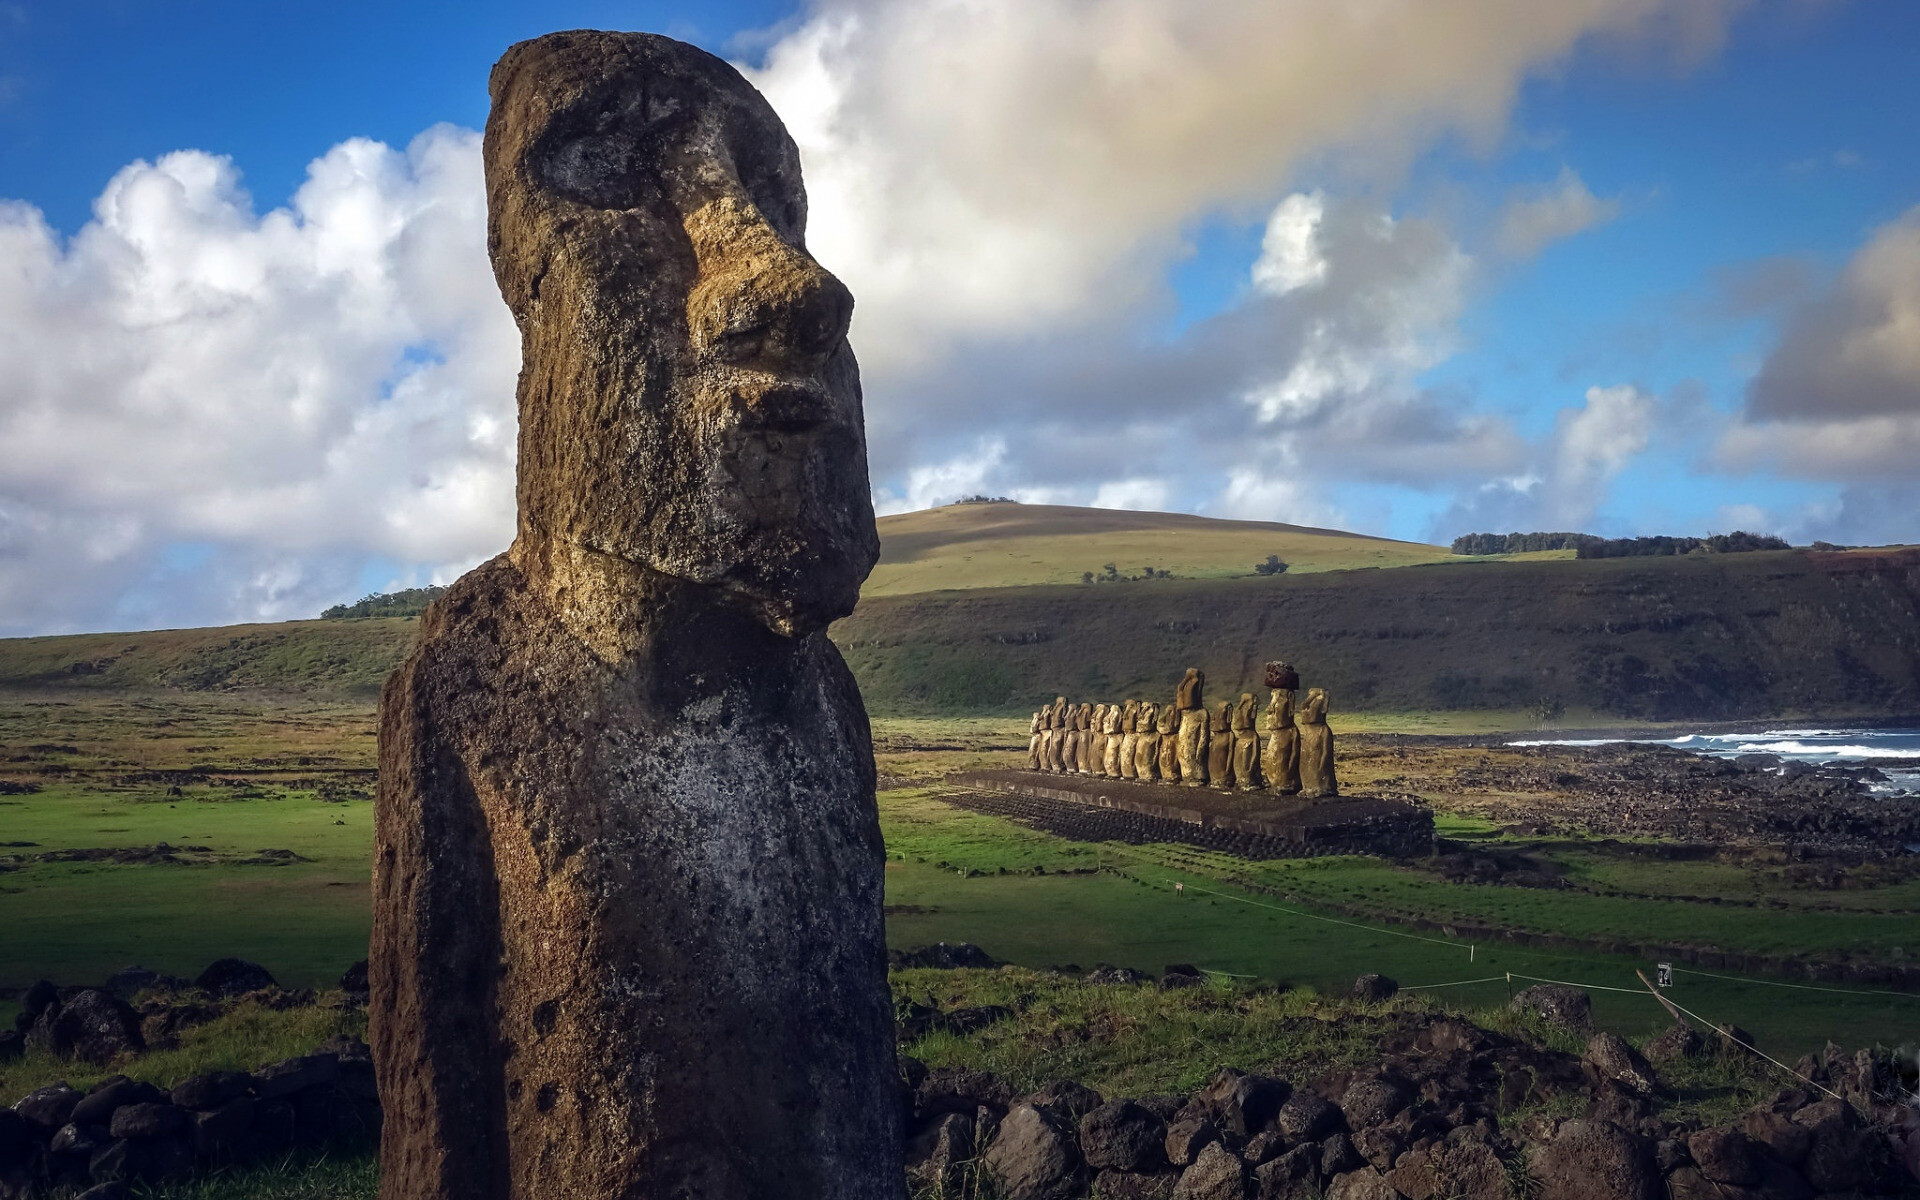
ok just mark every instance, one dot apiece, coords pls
pixel 1249 824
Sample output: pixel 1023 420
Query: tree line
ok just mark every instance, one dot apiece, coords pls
pixel 410 602
pixel 1587 545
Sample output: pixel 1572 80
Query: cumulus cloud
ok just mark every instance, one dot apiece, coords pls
pixel 1536 217
pixel 326 380
pixel 1839 394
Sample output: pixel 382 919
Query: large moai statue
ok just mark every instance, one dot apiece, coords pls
pixel 1116 731
pixel 1098 741
pixel 1169 760
pixel 1280 743
pixel 1035 735
pixel 1146 752
pixel 1193 728
pixel 1070 739
pixel 627 873
pixel 1316 747
pixel 1246 745
pixel 1220 745
pixel 1130 741
pixel 1086 740
pixel 1057 735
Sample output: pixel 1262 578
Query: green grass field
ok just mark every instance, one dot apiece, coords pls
pixel 292 777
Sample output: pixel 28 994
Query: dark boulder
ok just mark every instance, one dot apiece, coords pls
pixel 1679 1041
pixel 354 981
pixel 1295 1175
pixel 1595 1160
pixel 1337 1156
pixel 1566 1007
pixel 1066 1099
pixel 221 1133
pixel 1372 989
pixel 936 1155
pixel 1122 1136
pixel 295 1075
pixel 39 997
pixel 146 1121
pixel 1135 1185
pixel 109 1096
pixel 1612 1058
pixel 1373 1100
pixel 48 1108
pixel 1117 977
pixel 211 1090
pixel 1033 1157
pixel 948 956
pixel 961 1090
pixel 234 977
pixel 1216 1174
pixel 92 1025
pixel 1726 1156
pixel 1187 1137
pixel 1242 1104
pixel 1307 1117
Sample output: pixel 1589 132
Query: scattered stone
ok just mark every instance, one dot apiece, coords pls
pixel 1337 1156
pixel 354 982
pixel 1186 1138
pixel 92 1025
pixel 1066 1099
pixel 1595 1160
pixel 1363 1184
pixel 1033 1157
pixel 1117 977
pixel 146 1121
pixel 961 1090
pixel 109 1096
pixel 1679 1041
pixel 1372 1101
pixel 1307 1117
pixel 1372 989
pixel 211 1090
pixel 1242 1104
pixel 1294 1175
pixel 218 1133
pixel 1725 1156
pixel 936 1154
pixel 48 1108
pixel 1131 1185
pixel 1120 1135
pixel 1567 1007
pixel 1263 1147
pixel 295 1075
pixel 1784 1139
pixel 233 977
pixel 1612 1058
pixel 1216 1174
pixel 943 955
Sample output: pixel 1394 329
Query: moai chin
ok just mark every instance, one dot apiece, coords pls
pixel 627 878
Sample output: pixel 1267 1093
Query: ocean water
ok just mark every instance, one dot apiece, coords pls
pixel 1896 752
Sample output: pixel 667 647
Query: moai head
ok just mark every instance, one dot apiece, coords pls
pixel 1148 714
pixel 1313 710
pixel 1191 684
pixel 1243 712
pixel 1220 719
pixel 688 401
pixel 1130 717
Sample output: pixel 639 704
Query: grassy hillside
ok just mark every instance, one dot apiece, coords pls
pixel 1701 637
pixel 1022 545
pixel 959 618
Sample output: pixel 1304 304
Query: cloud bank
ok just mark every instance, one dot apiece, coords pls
pixel 210 413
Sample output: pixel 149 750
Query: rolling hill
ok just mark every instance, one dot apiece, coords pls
pixel 978 609
pixel 1002 544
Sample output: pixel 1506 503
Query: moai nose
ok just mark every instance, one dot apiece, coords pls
pixel 760 301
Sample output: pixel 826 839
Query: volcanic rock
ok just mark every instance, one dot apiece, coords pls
pixel 628 868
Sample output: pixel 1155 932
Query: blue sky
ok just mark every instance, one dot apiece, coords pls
pixel 1484 265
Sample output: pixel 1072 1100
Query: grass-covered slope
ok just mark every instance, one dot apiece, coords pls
pixel 343 657
pixel 1700 637
pixel 1022 545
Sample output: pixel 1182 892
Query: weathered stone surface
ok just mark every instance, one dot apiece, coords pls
pixel 1294 1175
pixel 1122 1136
pixel 935 1154
pixel 1280 742
pixel 1568 1007
pixel 1613 1058
pixel 1065 1098
pixel 1146 747
pixel 1725 1156
pixel 627 879
pixel 1216 1174
pixel 1317 776
pixel 1242 1104
pixel 1307 1117
pixel 92 1025
pixel 1169 727
pixel 211 1090
pixel 1363 1184
pixel 1679 1041
pixel 1246 744
pixel 1191 703
pixel 47 1109
pixel 1135 1185
pixel 233 977
pixel 110 1095
pixel 1187 1137
pixel 1594 1160
pixel 1033 1157
pixel 1220 745
pixel 1373 1101
pixel 1374 988
pixel 142 1122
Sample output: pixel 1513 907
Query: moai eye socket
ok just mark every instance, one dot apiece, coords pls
pixel 603 153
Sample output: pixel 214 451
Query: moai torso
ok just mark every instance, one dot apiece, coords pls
pixel 1146 754
pixel 1169 760
pixel 1130 741
pixel 1246 745
pixel 1316 747
pixel 1280 751
pixel 627 875
pixel 1220 745
pixel 1193 729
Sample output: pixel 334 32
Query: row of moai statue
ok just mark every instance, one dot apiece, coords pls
pixel 1287 749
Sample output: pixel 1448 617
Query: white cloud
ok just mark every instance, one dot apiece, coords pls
pixel 332 377
pixel 1536 217
pixel 1839 395
pixel 980 168
pixel 1591 446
